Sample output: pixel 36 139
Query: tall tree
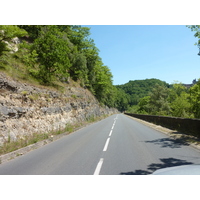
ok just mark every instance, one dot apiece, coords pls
pixel 180 107
pixel 158 100
pixel 84 56
pixel 79 36
pixel 144 105
pixel 78 69
pixel 52 49
pixel 103 82
pixel 195 99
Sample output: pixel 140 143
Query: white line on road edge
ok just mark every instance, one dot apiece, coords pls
pixel 106 145
pixel 98 168
pixel 110 133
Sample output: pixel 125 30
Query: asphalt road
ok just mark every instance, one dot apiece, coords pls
pixel 117 145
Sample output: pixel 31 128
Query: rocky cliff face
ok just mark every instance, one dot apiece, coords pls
pixel 26 109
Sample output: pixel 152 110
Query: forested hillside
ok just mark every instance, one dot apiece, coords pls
pixel 139 88
pixel 174 100
pixel 156 97
pixel 54 54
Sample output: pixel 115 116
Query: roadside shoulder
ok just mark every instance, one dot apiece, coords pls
pixel 189 139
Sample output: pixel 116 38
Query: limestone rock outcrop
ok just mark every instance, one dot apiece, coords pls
pixel 27 109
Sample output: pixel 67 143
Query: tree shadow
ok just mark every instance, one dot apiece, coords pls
pixel 166 162
pixel 171 142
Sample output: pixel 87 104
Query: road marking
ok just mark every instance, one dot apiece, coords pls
pixel 113 126
pixel 116 117
pixel 100 163
pixel 106 145
pixel 98 168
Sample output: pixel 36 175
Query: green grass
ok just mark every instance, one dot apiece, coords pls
pixel 14 68
pixel 10 146
pixel 12 65
pixel 91 119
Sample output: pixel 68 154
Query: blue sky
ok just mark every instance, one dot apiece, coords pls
pixel 136 52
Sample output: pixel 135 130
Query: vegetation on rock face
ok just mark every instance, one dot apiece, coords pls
pixel 52 54
pixel 7 33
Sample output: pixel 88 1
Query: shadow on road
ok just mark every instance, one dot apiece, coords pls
pixel 166 162
pixel 171 142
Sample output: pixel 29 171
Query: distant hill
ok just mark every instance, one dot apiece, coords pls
pixel 140 88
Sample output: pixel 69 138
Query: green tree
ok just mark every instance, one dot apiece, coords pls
pixel 196 29
pixel 195 99
pixel 84 56
pixel 122 100
pixel 7 33
pixel 144 105
pixel 79 36
pixel 78 69
pixel 180 107
pixel 103 82
pixel 178 98
pixel 175 91
pixel 158 103
pixel 32 30
pixel 52 49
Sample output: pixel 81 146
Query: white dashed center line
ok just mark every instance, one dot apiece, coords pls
pixel 110 133
pixel 100 163
pixel 106 145
pixel 98 168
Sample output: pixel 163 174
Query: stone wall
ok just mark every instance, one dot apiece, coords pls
pixel 184 125
pixel 26 109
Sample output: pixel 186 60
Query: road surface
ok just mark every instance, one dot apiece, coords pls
pixel 117 145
